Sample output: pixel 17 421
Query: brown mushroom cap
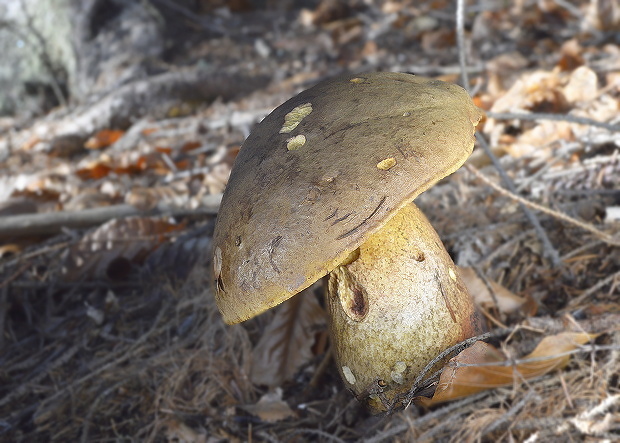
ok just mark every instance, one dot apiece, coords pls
pixel 324 171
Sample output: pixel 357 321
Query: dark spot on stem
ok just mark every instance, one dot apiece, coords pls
pixel 358 305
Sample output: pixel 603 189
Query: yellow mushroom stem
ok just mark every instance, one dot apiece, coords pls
pixel 395 304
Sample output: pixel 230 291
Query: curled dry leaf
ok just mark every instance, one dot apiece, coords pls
pixel 89 198
pixel 215 181
pixel 109 250
pixel 9 250
pixel 503 70
pixel 103 139
pixel 155 162
pixel 94 171
pixel 271 408
pixel 178 431
pixel 482 366
pixel 66 146
pixel 582 85
pixel 287 341
pixel 190 146
pixel 507 301
pixel 543 134
pixel 535 91
pixel 175 195
pixel 177 259
pixel 571 55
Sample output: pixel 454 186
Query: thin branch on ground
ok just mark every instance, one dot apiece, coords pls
pixel 514 410
pixel 29 385
pixel 550 251
pixel 111 360
pixel 594 289
pixel 434 415
pixel 51 223
pixel 460 36
pixel 533 116
pixel 451 350
pixel 316 432
pixel 555 214
pixel 93 408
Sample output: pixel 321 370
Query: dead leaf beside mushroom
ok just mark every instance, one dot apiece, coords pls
pixel 483 366
pixel 271 408
pixel 286 343
pixel 491 295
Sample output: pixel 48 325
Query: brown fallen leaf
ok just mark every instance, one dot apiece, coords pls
pixel 582 85
pixel 287 341
pixel 66 146
pixel 571 55
pixel 9 250
pixel 88 198
pixel 482 366
pixel 94 171
pixel 190 146
pixel 538 91
pixel 174 195
pixel 178 431
pixel 507 301
pixel 271 408
pixel 103 139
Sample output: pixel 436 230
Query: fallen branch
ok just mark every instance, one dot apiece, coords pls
pixel 534 116
pixel 53 223
pixel 550 251
pixel 603 236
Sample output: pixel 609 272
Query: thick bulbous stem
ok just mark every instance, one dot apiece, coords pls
pixel 394 305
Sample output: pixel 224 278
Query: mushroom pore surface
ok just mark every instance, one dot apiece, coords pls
pixel 394 306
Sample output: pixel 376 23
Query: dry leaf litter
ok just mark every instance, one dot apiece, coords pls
pixel 109 328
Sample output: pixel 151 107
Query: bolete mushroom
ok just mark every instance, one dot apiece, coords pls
pixel 323 186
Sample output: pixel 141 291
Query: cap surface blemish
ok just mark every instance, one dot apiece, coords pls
pixel 452 274
pixel 296 142
pixel 386 164
pixel 348 374
pixel 294 118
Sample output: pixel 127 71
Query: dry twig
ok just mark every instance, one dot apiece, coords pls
pixel 555 214
pixel 550 251
pixel 51 223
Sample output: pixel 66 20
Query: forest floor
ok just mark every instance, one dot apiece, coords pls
pixel 109 325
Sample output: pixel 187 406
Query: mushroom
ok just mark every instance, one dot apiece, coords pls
pixel 323 186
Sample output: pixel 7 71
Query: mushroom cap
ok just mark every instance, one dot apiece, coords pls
pixel 324 171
